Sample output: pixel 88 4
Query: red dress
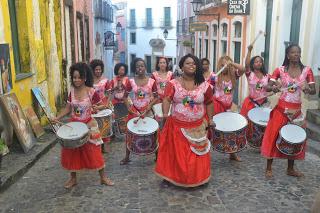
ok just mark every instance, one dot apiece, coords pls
pixel 118 85
pixel 89 155
pixel 178 162
pixel 289 100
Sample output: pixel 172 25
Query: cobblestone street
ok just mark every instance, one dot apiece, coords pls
pixel 234 187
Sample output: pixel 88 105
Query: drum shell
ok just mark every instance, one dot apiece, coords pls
pixel 120 118
pixel 105 125
pixel 288 148
pixel 255 140
pixel 142 144
pixel 73 144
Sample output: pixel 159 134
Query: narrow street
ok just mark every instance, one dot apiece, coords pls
pixel 234 187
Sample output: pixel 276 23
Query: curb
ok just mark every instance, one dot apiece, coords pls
pixel 16 164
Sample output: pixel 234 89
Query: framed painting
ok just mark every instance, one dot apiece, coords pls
pixel 18 120
pixel 45 106
pixel 34 122
pixel 5 69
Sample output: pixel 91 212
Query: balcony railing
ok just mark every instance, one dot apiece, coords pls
pixel 132 24
pixel 166 23
pixel 147 23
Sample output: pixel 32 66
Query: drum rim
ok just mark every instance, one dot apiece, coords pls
pixel 77 138
pixel 234 130
pixel 287 153
pixel 101 116
pixel 87 137
pixel 298 143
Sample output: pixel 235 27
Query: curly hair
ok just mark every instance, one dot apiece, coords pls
pixel 205 59
pixel 134 62
pixel 286 59
pixel 97 62
pixel 157 63
pixel 198 76
pixel 118 66
pixel 85 72
pixel 263 69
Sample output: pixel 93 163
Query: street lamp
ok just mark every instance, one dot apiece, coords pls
pixel 165 35
pixel 118 27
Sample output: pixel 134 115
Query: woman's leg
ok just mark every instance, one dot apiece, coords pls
pixel 291 171
pixel 104 179
pixel 72 181
pixel 269 168
pixel 126 159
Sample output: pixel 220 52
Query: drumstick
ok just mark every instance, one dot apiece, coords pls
pixel 221 70
pixel 256 38
pixel 59 122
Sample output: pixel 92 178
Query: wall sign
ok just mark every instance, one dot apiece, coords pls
pixel 238 7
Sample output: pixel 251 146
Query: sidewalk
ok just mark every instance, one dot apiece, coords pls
pixel 15 164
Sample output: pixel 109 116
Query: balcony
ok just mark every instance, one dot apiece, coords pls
pixel 166 23
pixel 103 10
pixel 147 23
pixel 132 24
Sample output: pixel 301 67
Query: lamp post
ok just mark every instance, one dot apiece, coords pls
pixel 118 28
pixel 165 35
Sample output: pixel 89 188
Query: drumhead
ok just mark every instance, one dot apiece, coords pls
pixel 259 115
pixel 229 121
pixel 102 113
pixel 72 131
pixel 157 108
pixel 293 133
pixel 144 126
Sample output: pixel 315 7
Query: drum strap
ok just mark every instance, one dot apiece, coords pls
pixel 256 103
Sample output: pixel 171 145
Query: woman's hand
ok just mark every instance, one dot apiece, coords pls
pixel 306 89
pixel 212 125
pixel 54 120
pixel 276 88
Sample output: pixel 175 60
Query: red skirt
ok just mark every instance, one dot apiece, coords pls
pixel 88 156
pixel 219 107
pixel 277 120
pixel 176 162
pixel 247 105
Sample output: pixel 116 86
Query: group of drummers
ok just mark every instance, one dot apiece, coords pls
pixel 179 118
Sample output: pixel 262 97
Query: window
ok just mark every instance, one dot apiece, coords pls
pixel 214 54
pixel 224 30
pixel 148 17
pixel 80 37
pixel 148 63
pixel 133 38
pixel 200 47
pixel 167 16
pixel 132 18
pixel 122 57
pixel 132 57
pixel 18 26
pixel 207 47
pixel 237 29
pixel 87 39
pixel 224 48
pixel 214 30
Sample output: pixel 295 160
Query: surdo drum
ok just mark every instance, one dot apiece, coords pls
pixel 258 119
pixel 142 135
pixel 104 120
pixel 121 113
pixel 291 139
pixel 230 132
pixel 73 135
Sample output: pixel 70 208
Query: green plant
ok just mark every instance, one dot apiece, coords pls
pixel 3 147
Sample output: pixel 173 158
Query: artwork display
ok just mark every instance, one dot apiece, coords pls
pixel 5 69
pixel 34 122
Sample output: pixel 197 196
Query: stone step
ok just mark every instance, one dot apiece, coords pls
pixel 313 116
pixel 313 131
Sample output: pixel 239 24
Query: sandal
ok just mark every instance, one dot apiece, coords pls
pixel 269 174
pixel 124 161
pixel 70 183
pixel 295 173
pixel 106 181
pixel 235 157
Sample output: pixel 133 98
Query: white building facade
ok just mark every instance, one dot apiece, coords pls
pixel 146 22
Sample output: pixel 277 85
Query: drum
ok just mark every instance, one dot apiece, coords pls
pixel 73 135
pixel 104 120
pixel 258 120
pixel 121 113
pixel 230 132
pixel 291 139
pixel 157 109
pixel 142 136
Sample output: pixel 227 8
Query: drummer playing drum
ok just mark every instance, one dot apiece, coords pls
pixel 293 76
pixel 144 96
pixel 82 100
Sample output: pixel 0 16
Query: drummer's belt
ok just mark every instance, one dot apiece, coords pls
pixel 256 103
pixel 197 137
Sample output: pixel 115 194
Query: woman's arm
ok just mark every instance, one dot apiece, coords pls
pixel 248 57
pixel 241 69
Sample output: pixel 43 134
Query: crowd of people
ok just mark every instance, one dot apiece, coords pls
pixel 189 101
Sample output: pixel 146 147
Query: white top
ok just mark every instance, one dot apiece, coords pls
pixel 144 126
pixel 293 133
pixel 72 131
pixel 259 115
pixel 229 121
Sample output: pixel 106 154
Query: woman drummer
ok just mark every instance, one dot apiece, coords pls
pixel 162 75
pixel 81 101
pixel 183 155
pixel 207 73
pixel 297 78
pixel 223 85
pixel 118 83
pixel 101 86
pixel 257 78
pixel 144 96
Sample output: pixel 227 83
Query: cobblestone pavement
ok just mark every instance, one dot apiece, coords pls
pixel 234 187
